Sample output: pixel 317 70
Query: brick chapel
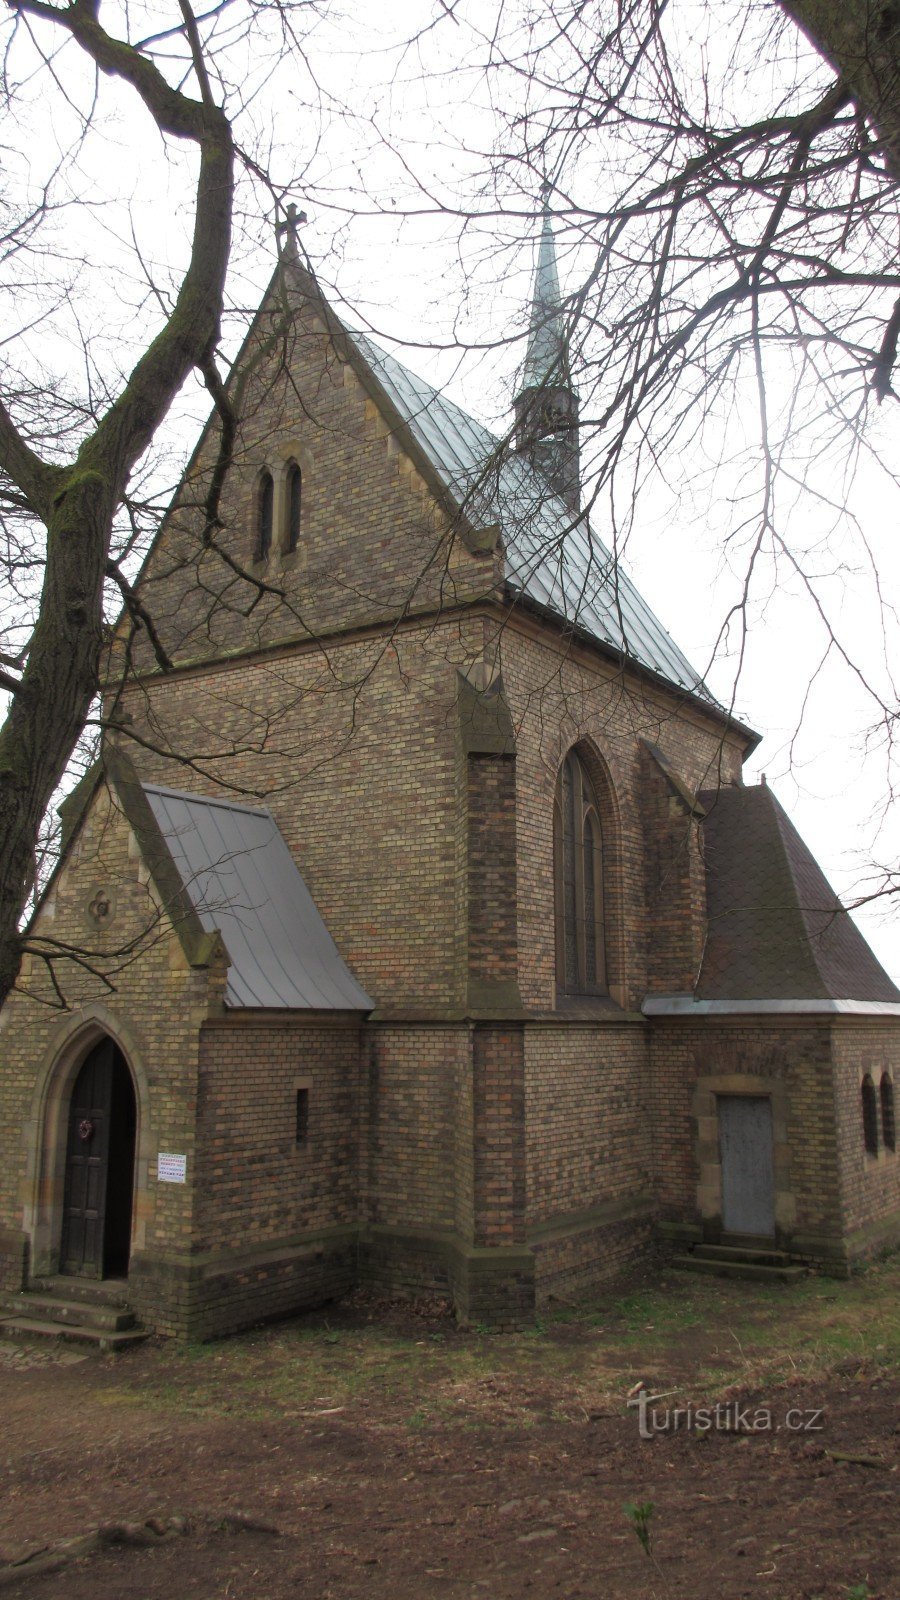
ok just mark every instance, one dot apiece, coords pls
pixel 429 937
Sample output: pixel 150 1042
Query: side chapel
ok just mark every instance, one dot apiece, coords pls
pixel 433 940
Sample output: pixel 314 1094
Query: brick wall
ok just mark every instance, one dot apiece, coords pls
pixel 152 1004
pixel 675 884
pixel 414 1143
pixel 492 921
pixel 560 694
pixel 794 1054
pixel 589 1200
pixel 255 1183
pixel 498 1094
pixel 870 1184
pixel 373 541
pixel 587 1115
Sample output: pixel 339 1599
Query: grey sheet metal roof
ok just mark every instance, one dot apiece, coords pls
pixel 562 568
pixel 242 880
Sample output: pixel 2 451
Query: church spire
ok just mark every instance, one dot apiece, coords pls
pixel 547 405
pixel 546 353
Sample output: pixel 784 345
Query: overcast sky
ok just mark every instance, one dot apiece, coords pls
pixel 344 130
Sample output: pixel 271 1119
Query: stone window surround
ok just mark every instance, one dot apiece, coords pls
pixel 705 1118
pixel 46 1133
pixel 600 776
pixel 885 1151
pixel 277 463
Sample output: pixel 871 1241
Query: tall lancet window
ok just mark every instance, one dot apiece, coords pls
pixel 294 487
pixel 578 865
pixel 265 510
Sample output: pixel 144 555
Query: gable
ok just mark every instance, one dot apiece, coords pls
pixel 375 521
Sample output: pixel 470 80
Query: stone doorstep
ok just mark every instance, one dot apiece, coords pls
pixel 92 1291
pixel 752 1265
pixel 76 1313
pixel 760 1255
pixel 99 1320
pixel 100 1339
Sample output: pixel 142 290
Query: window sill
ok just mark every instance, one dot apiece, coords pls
pixel 588 1005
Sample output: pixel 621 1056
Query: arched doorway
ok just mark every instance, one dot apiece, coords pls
pixel 99 1182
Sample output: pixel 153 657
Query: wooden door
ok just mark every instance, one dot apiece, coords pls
pixel 748 1169
pixel 87 1164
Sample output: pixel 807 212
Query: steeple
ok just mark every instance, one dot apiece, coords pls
pixel 547 405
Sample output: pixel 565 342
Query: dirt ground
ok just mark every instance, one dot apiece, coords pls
pixel 378 1452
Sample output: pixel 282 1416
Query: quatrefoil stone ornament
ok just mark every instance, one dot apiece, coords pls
pixel 100 908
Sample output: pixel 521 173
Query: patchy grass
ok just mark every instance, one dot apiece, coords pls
pixel 703 1335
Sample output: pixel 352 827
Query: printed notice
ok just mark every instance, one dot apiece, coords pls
pixel 171 1169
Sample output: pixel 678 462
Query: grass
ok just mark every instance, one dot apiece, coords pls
pixel 704 1335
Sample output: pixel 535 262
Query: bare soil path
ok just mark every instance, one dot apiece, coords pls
pixel 377 1452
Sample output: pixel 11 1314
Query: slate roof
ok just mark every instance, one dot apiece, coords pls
pixel 552 561
pixel 243 882
pixel 777 930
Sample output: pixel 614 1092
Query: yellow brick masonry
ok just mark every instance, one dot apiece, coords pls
pixel 328 692
pixel 870 1184
pixel 153 1002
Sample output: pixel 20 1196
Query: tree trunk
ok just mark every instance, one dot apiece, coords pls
pixel 861 40
pixel 60 680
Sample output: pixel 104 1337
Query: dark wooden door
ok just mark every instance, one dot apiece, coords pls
pixel 87 1164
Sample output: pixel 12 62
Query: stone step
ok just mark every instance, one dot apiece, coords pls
pixel 749 1271
pixel 732 1252
pixel 76 1313
pixel 93 1291
pixel 104 1340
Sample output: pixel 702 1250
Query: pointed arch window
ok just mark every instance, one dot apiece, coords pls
pixel 265 511
pixel 578 868
pixel 293 496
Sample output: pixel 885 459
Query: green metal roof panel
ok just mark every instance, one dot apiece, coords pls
pixel 553 560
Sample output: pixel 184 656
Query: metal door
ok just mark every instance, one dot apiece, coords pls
pixel 87 1163
pixel 748 1173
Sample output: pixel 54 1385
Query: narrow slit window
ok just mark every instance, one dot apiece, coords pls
pixel 301 1135
pixel 264 513
pixel 869 1115
pixel 888 1126
pixel 294 499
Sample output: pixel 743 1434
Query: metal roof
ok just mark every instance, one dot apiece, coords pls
pixel 552 559
pixel 777 930
pixel 546 354
pixel 243 882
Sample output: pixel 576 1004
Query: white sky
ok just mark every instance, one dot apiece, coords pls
pixel 415 277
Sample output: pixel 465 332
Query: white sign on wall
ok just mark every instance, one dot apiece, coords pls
pixel 171 1168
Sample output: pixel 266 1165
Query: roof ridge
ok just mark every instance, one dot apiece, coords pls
pixel 208 800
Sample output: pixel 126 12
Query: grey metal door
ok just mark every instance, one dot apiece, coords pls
pixel 748 1174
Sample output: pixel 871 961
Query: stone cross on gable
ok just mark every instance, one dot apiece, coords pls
pixel 287 229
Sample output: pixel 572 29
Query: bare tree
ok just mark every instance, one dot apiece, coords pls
pixel 73 454
pixel 724 183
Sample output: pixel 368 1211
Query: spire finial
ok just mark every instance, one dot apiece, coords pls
pixel 286 231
